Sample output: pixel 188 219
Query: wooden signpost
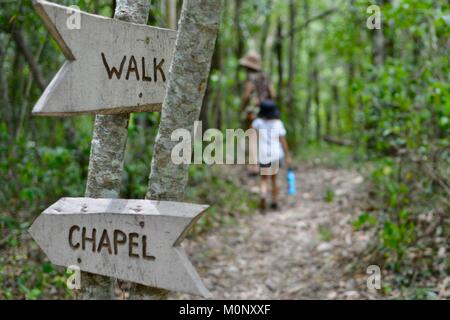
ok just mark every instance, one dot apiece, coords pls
pixel 114 66
pixel 133 240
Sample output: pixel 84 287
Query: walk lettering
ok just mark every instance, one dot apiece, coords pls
pixel 111 241
pixel 132 68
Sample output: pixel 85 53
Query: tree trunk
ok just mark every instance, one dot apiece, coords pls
pixel 308 103
pixel 4 90
pixel 265 31
pixel 290 97
pixel 240 41
pixel 337 109
pixel 194 48
pixel 309 81
pixel 107 154
pixel 171 14
pixel 316 80
pixel 279 54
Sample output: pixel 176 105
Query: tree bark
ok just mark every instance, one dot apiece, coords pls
pixel 279 54
pixel 107 154
pixel 337 109
pixel 171 14
pixel 308 102
pixel 317 102
pixel 265 31
pixel 290 97
pixel 240 41
pixel 190 67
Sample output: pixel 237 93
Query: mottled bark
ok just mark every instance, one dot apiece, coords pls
pixel 316 81
pixel 107 154
pixel 240 46
pixel 186 88
pixel 292 71
pixel 279 55
pixel 171 14
pixel 265 31
pixel 194 48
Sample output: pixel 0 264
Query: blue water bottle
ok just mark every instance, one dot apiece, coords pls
pixel 292 189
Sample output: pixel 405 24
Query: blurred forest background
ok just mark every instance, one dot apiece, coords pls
pixel 378 100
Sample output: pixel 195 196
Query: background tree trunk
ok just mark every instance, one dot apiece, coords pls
pixel 308 102
pixel 171 14
pixel 279 55
pixel 337 110
pixel 292 62
pixel 240 41
pixel 190 67
pixel 107 154
pixel 316 79
pixel 265 32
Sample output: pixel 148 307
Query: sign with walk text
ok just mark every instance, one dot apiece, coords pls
pixel 113 66
pixel 132 240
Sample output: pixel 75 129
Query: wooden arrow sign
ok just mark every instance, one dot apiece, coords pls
pixel 114 66
pixel 132 240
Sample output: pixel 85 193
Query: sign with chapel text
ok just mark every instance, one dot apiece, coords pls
pixel 132 240
pixel 113 66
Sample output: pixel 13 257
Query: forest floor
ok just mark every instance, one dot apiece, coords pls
pixel 308 249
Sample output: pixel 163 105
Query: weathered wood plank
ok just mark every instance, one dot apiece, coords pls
pixel 133 240
pixel 114 66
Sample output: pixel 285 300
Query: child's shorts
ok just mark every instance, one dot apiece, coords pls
pixel 271 168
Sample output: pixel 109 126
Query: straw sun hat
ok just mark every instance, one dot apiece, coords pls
pixel 251 60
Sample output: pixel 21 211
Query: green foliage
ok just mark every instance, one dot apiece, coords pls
pixel 20 276
pixel 364 219
pixel 329 196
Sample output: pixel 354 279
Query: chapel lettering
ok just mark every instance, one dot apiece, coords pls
pixel 86 240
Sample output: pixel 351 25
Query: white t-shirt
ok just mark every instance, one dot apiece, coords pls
pixel 269 133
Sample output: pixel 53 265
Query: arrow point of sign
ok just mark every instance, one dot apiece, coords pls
pixel 190 222
pixel 50 102
pixel 36 235
pixel 196 286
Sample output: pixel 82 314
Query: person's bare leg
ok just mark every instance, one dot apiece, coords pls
pixel 252 151
pixel 275 189
pixel 263 190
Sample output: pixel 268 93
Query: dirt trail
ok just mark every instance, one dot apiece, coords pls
pixel 307 251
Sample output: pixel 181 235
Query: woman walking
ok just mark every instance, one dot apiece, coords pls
pixel 257 88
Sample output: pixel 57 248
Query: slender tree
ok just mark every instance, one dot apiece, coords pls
pixel 190 67
pixel 292 63
pixel 107 154
pixel 279 57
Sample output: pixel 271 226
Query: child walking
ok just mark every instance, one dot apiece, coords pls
pixel 272 150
